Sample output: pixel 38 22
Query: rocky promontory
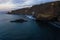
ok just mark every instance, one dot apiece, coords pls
pixel 21 11
pixel 45 11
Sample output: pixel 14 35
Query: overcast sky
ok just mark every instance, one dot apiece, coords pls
pixel 16 4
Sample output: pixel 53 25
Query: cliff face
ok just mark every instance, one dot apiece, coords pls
pixel 47 10
pixel 42 11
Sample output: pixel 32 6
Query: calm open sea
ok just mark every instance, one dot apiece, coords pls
pixel 30 30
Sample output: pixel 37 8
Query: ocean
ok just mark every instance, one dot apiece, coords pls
pixel 30 30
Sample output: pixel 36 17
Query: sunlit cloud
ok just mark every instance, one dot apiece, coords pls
pixel 4 1
pixel 6 6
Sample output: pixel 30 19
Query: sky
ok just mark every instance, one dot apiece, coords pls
pixel 7 5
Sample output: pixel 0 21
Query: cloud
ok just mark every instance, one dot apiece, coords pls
pixel 8 5
pixel 4 1
pixel 11 4
pixel 33 2
pixel 29 3
pixel 18 1
pixel 17 4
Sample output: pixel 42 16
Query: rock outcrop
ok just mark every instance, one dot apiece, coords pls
pixel 19 21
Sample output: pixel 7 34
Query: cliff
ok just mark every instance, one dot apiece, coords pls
pixel 21 11
pixel 46 11
pixel 43 11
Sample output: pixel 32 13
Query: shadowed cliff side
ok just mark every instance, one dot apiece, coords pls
pixel 48 10
pixel 45 11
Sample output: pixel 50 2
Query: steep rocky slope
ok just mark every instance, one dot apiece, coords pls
pixel 45 11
